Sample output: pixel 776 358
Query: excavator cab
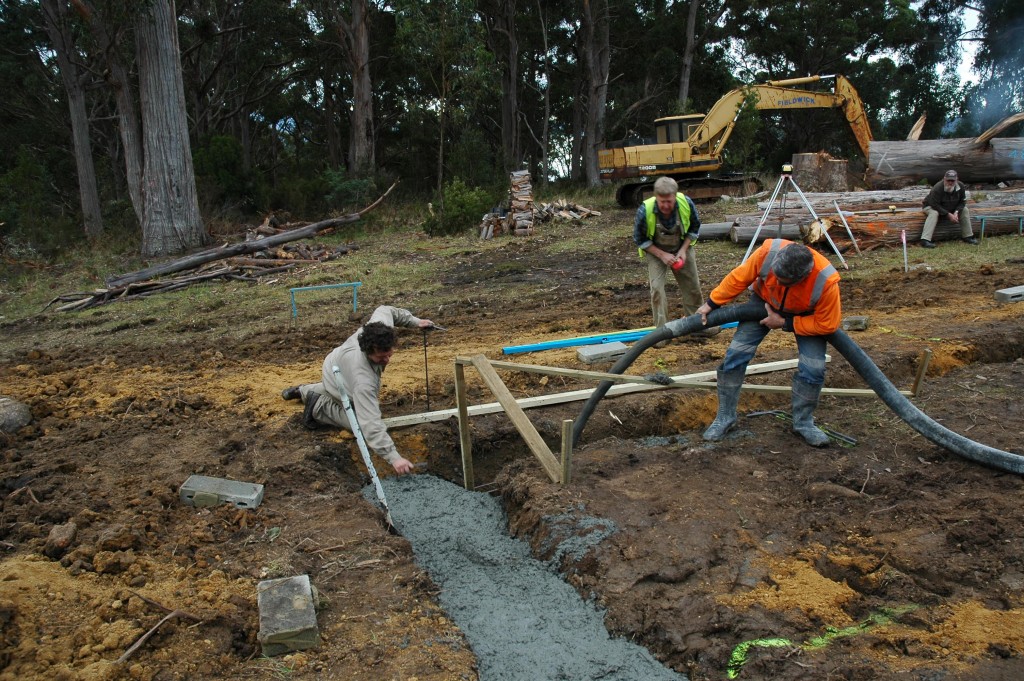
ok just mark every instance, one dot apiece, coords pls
pixel 676 129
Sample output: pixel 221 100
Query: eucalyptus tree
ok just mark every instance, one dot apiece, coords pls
pixel 75 79
pixel 596 51
pixel 501 20
pixel 171 222
pixel 441 42
pixel 36 171
pixel 361 32
pixel 241 64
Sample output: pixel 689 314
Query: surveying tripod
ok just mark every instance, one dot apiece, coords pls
pixel 787 177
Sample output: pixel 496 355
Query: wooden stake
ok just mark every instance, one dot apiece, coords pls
pixel 566 452
pixel 518 417
pixel 922 368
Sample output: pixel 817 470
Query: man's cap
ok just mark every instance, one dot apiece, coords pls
pixel 950 175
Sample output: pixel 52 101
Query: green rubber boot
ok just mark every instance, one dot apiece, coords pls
pixel 729 383
pixel 805 399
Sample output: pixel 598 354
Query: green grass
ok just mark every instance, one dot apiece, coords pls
pixel 395 260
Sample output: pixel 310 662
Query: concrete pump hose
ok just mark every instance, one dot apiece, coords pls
pixel 917 419
pixel 858 359
pixel 673 329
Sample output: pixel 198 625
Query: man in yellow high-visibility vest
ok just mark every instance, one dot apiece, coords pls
pixel 665 227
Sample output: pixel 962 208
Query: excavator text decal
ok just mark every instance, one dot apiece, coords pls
pixel 797 100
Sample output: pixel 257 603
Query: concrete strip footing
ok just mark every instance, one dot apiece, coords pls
pixel 287 615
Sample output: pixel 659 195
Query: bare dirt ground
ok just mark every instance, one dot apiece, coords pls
pixel 890 559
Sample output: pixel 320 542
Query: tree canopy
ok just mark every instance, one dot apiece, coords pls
pixel 306 106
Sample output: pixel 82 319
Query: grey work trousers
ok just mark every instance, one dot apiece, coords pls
pixel 931 219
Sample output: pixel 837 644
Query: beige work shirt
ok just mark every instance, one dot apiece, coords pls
pixel 362 380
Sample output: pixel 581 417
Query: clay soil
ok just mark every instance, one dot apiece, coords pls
pixel 889 559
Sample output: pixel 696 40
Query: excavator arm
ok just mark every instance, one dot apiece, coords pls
pixel 712 134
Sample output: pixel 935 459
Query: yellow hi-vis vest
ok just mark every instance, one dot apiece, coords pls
pixel 650 210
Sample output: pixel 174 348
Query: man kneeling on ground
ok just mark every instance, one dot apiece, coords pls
pixel 361 360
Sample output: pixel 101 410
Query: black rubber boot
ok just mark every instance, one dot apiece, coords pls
pixel 291 393
pixel 805 399
pixel 729 383
pixel 307 413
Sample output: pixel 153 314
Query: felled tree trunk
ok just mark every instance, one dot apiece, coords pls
pixel 982 159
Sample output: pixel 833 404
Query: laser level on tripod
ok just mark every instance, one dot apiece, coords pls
pixel 786 180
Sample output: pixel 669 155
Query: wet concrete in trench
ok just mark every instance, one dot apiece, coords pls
pixel 521 619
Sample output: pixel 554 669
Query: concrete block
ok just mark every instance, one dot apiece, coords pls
pixel 1014 294
pixel 603 352
pixel 201 491
pixel 287 615
pixel 855 323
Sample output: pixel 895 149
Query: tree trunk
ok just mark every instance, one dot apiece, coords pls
pixel 545 130
pixel 355 37
pixel 595 25
pixel 688 50
pixel 127 115
pixel 983 159
pixel 55 17
pixel 171 220
pixel 500 19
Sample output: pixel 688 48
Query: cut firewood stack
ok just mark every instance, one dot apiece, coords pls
pixel 522 203
pixel 564 210
pixel 519 219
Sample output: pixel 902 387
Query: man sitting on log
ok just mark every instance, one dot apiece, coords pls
pixel 361 360
pixel 947 198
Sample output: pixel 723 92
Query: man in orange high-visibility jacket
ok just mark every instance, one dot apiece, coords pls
pixel 800 292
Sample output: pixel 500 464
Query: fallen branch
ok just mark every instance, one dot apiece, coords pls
pixel 227 251
pixel 21 490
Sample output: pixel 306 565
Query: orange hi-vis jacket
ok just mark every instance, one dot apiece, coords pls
pixel 811 306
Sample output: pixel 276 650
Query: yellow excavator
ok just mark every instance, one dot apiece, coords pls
pixel 690 148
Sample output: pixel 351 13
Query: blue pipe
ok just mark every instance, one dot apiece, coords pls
pixel 620 336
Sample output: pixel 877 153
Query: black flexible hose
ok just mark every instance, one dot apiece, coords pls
pixel 917 419
pixel 678 327
pixel 858 359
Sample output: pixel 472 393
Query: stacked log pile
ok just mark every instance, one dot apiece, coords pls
pixel 875 218
pixel 985 158
pixel 874 231
pixel 492 225
pixel 522 203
